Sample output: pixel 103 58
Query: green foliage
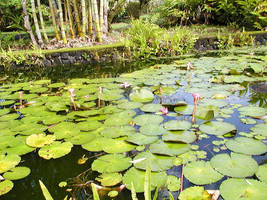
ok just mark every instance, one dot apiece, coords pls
pixel 148 40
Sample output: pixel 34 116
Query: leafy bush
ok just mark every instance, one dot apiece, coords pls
pixel 148 40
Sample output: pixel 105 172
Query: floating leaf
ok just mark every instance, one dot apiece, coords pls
pixel 141 139
pixel 236 165
pixel 137 177
pixel 217 128
pixel 179 136
pixel 117 131
pixel 192 193
pixel 262 173
pixel 142 120
pixel 170 149
pixel 252 111
pixel 55 150
pixel 201 173
pixel 156 162
pixel 260 129
pixel 247 146
pixel 173 183
pixel 142 95
pixel 5 186
pixel 7 162
pixel 151 107
pixel 17 173
pixel 111 163
pixel 152 129
pixel 109 179
pixel 240 189
pixel 177 125
pixel 40 140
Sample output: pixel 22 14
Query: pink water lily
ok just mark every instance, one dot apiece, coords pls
pixel 72 94
pixel 196 97
pixel 100 90
pixel 125 85
pixel 164 110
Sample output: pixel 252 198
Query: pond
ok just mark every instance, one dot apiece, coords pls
pixel 197 121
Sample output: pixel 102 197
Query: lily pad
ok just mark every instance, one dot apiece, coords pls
pixel 141 139
pixel 17 173
pixel 252 111
pixel 117 131
pixel 40 140
pixel 262 173
pixel 243 189
pixel 109 179
pixel 130 105
pixel 55 150
pixel 151 107
pixel 152 129
pixel 168 148
pixel 236 165
pixel 157 163
pixel 137 177
pixel 247 146
pixel 116 146
pixel 111 163
pixel 8 162
pixel 201 173
pixel 177 125
pixel 193 193
pixel 142 95
pixel 5 186
pixel 142 120
pixel 260 129
pixel 217 128
pixel 179 136
pixel 173 183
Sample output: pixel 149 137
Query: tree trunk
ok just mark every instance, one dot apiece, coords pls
pixel 35 19
pixel 27 22
pixel 105 17
pixel 101 11
pixel 63 34
pixel 54 19
pixel 90 20
pixel 84 17
pixel 77 18
pixel 70 19
pixel 42 20
pixel 96 20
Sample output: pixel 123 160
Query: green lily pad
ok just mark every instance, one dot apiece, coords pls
pixel 252 111
pixel 247 146
pixel 201 173
pixel 55 150
pixel 82 138
pixel 170 149
pixel 193 193
pixel 56 85
pixel 56 106
pixel 5 186
pixel 177 125
pixel 260 129
pixel 151 107
pixel 119 119
pixel 8 162
pixel 95 144
pixel 184 110
pixel 109 179
pixel 142 95
pixel 137 177
pixel 152 129
pixel 111 163
pixel 89 125
pixel 179 136
pixel 117 131
pixel 157 163
pixel 236 165
pixel 262 173
pixel 217 128
pixel 243 189
pixel 8 117
pixel 173 183
pixel 40 140
pixel 4 111
pixel 17 173
pixel 141 139
pixel 7 102
pixel 130 105
pixel 142 120
pixel 116 146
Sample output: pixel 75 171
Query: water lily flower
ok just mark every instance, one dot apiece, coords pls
pixel 196 97
pixel 164 111
pixel 125 85
pixel 71 91
pixel 20 98
pixel 189 66
pixel 251 55
pixel 100 90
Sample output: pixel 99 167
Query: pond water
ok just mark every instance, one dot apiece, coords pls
pixel 115 118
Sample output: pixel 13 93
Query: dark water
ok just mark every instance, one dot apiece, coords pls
pixel 52 172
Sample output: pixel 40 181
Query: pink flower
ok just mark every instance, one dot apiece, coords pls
pixel 100 90
pixel 125 85
pixel 196 97
pixel 164 111
pixel 20 94
pixel 71 91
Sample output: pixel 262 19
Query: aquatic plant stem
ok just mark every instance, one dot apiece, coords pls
pixel 182 178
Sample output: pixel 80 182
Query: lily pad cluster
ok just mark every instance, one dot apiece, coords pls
pixel 126 123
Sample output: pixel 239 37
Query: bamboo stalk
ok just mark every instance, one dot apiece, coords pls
pixel 105 16
pixel 90 20
pixel 54 19
pixel 35 19
pixel 77 18
pixel 66 19
pixel 101 12
pixel 63 34
pixel 27 22
pixel 96 20
pixel 70 19
pixel 42 20
pixel 84 17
